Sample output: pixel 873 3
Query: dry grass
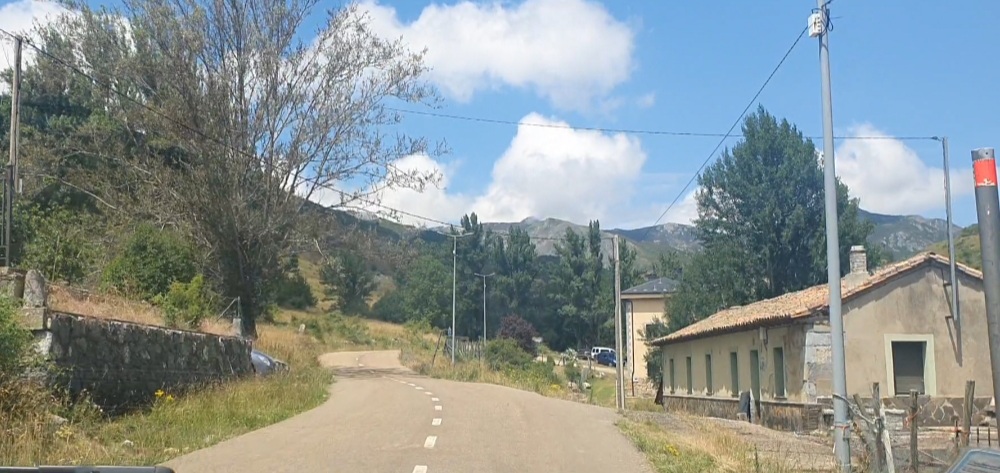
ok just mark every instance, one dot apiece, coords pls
pixel 539 378
pixel 697 445
pixel 173 425
pixel 81 434
pixel 676 442
pixel 108 306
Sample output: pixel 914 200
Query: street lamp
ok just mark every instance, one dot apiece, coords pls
pixel 454 273
pixel 484 276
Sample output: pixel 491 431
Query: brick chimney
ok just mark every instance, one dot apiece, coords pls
pixel 859 260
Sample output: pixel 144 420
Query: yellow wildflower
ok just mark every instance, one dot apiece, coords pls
pixel 170 398
pixel 158 393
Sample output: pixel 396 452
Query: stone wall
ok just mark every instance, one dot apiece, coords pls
pixel 777 415
pixel 120 364
pixel 938 411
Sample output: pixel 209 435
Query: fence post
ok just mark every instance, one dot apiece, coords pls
pixel 970 392
pixel 878 428
pixel 914 452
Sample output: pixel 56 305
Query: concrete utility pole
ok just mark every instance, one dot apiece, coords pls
pixel 454 275
pixel 484 276
pixel 11 177
pixel 984 170
pixel 619 372
pixel 955 312
pixel 818 24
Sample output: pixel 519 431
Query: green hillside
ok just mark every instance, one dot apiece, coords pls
pixel 967 249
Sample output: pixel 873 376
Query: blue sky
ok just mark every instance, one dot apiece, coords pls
pixel 899 68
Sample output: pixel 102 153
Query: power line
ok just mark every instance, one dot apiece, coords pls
pixel 629 131
pixel 731 128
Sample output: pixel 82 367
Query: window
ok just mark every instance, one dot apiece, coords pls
pixel 673 383
pixel 734 373
pixel 779 372
pixel 755 374
pixel 908 366
pixel 690 377
pixel 708 374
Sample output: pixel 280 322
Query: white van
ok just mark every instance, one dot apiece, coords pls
pixel 597 350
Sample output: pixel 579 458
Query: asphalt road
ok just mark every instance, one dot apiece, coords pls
pixel 383 418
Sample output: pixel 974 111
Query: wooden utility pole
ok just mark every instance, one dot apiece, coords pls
pixel 11 174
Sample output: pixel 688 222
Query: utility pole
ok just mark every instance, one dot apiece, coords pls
pixel 11 171
pixel 955 312
pixel 454 275
pixel 484 276
pixel 619 372
pixel 818 26
pixel 984 170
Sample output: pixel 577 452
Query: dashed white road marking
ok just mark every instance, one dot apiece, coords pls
pixel 359 364
pixel 428 393
pixel 436 421
pixel 435 399
pixel 437 407
pixel 410 384
pixel 418 388
pixel 431 440
pixel 420 469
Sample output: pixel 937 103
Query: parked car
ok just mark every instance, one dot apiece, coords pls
pixel 264 364
pixel 598 350
pixel 606 358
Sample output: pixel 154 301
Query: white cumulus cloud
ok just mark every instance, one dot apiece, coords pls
pixel 20 17
pixel 568 51
pixel 575 175
pixel 889 176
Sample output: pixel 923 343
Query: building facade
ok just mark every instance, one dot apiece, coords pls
pixel 899 332
pixel 643 305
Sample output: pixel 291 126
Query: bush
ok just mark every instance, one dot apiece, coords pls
pixel 505 353
pixel 150 261
pixel 59 244
pixel 186 304
pixel 293 292
pixel 572 373
pixel 15 340
pixel 390 308
pixel 521 331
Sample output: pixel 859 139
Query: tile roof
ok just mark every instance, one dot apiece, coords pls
pixel 656 286
pixel 800 304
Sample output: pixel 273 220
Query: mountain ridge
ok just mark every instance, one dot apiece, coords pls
pixel 902 235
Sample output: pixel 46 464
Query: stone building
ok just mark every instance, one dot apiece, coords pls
pixel 898 329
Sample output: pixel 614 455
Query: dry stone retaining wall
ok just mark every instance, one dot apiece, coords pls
pixel 120 364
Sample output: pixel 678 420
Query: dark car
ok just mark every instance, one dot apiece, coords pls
pixel 606 358
pixel 264 364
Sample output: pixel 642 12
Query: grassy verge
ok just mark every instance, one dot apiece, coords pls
pixel 173 425
pixel 697 447
pixel 38 427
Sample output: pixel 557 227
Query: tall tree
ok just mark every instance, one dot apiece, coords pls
pixel 350 281
pixel 761 222
pixel 515 260
pixel 258 117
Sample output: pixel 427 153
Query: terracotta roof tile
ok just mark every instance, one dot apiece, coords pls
pixel 799 304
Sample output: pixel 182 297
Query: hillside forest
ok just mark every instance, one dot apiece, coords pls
pixel 182 160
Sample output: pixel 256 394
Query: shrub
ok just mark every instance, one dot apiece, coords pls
pixel 15 340
pixel 293 292
pixel 186 303
pixel 521 331
pixel 572 373
pixel 505 353
pixel 390 308
pixel 59 244
pixel 150 261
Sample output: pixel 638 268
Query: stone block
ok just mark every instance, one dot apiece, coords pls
pixel 34 318
pixel 12 282
pixel 35 289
